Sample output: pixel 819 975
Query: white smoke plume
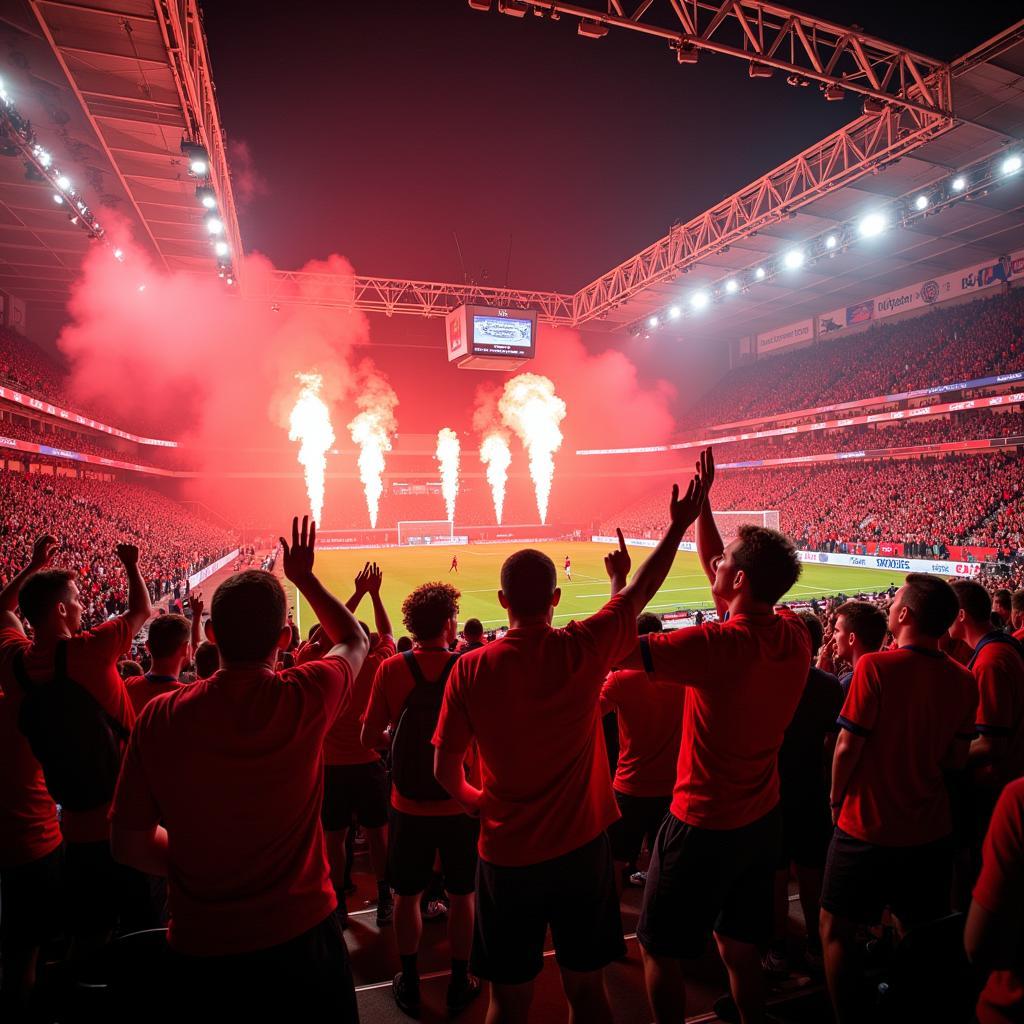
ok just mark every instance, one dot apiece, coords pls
pixel 496 456
pixel 447 454
pixel 310 424
pixel 531 409
pixel 372 430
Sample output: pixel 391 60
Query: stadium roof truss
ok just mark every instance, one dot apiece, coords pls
pixel 111 89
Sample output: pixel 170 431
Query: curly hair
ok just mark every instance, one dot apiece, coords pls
pixel 429 608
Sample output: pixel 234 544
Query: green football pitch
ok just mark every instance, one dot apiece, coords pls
pixel 479 566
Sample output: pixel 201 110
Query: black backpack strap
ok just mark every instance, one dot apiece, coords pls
pixel 417 673
pixel 19 673
pixel 996 637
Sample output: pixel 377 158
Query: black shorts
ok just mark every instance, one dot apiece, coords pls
pixel 641 818
pixel 354 790
pixel 413 842
pixel 806 832
pixel 31 902
pixel 862 879
pixel 703 880
pixel 574 894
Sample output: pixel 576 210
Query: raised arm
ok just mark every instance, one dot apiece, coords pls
pixel 360 589
pixel 340 625
pixel 381 620
pixel 42 554
pixel 195 607
pixel 709 540
pixel 139 607
pixel 650 576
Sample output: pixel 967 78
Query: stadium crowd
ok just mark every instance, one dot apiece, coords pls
pixel 973 500
pixel 91 515
pixel 967 342
pixel 482 767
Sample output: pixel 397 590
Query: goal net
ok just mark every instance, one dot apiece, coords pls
pixel 426 531
pixel 729 523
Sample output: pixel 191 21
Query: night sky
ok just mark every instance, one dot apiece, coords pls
pixel 378 128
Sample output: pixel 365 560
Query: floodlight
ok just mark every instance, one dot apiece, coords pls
pixel 214 226
pixel 959 183
pixel 206 196
pixel 731 286
pixel 198 158
pixel 674 312
pixel 118 254
pixel 873 224
pixel 58 199
pixel 700 300
pixel 221 248
pixel 1011 165
pixel 921 203
pixel 794 259
pixel 64 182
pixel 653 322
pixel 759 273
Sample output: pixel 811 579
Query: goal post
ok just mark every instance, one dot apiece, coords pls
pixel 426 531
pixel 729 523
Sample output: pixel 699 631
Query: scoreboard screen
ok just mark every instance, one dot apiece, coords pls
pixel 489 337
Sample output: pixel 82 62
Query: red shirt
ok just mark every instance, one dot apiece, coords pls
pixel 532 702
pixel 142 689
pixel 232 766
pixel 1000 890
pixel 28 816
pixel 744 678
pixel 1019 634
pixel 92 663
pixel 999 671
pixel 910 704
pixel 391 688
pixel 342 745
pixel 650 728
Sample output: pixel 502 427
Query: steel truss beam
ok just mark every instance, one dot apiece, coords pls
pixel 181 26
pixel 866 144
pixel 766 35
pixel 390 296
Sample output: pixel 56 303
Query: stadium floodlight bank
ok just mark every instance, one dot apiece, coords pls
pixel 428 531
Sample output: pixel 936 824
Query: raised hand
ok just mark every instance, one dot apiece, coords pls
pixel 706 470
pixel 375 577
pixel 618 563
pixel 43 551
pixel 195 604
pixel 684 511
pixel 362 580
pixel 128 554
pixel 297 559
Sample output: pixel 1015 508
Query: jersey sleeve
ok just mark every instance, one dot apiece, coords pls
pixel 377 716
pixel 92 661
pixel 1000 886
pixel 682 656
pixel 135 805
pixel 611 688
pixel 860 709
pixel 995 716
pixel 454 729
pixel 331 677
pixel 610 632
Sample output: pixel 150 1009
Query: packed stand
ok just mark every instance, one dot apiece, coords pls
pixel 972 500
pixel 966 342
pixel 91 516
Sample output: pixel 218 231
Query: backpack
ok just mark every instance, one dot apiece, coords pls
pixel 412 753
pixel 75 741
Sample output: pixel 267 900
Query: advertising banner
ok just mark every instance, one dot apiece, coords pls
pixel 935 566
pixel 204 574
pixel 783 337
pixel 924 293
pixel 95 460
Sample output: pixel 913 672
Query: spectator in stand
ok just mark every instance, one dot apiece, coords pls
pixel 1017 614
pixel 207 660
pixel 31 850
pixel 425 822
pixel 650 723
pixel 169 643
pixel 892 846
pixel 404 644
pixel 994 936
pixel 544 806
pixel 355 781
pixel 861 628
pixel 221 791
pixel 997 754
pixel 1001 608
pixel 472 636
pixel 76 714
pixel 803 797
pixel 714 860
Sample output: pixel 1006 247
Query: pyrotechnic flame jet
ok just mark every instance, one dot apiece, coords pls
pixel 530 407
pixel 447 454
pixel 496 456
pixel 310 424
pixel 371 430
